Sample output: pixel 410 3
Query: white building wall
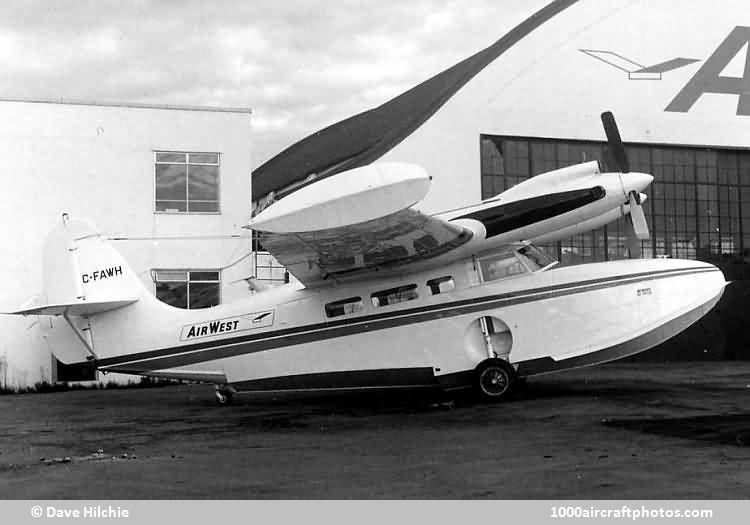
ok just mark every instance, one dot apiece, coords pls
pixel 545 86
pixel 97 162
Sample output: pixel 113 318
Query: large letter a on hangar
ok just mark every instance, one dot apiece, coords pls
pixel 708 79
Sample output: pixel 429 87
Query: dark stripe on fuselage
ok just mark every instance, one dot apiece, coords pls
pixel 190 354
pixel 513 215
pixel 351 379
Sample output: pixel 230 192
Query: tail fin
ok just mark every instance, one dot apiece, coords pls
pixel 82 274
pixel 109 310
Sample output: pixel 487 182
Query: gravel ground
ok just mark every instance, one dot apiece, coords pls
pixel 618 431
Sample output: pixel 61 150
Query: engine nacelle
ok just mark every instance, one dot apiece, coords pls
pixel 563 179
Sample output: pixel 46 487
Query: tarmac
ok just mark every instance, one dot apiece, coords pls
pixel 620 431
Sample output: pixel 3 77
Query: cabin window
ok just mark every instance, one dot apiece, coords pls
pixel 190 289
pixel 186 182
pixel 441 285
pixel 395 295
pixel 351 305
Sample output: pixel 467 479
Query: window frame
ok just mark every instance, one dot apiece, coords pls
pixel 188 271
pixel 187 165
pixel 715 229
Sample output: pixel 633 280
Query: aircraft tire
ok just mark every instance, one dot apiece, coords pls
pixel 223 397
pixel 495 380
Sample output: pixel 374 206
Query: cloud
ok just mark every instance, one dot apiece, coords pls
pixel 301 65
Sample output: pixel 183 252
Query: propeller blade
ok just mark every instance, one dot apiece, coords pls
pixel 634 244
pixel 637 217
pixel 614 141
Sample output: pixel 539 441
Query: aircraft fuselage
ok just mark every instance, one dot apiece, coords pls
pixel 428 328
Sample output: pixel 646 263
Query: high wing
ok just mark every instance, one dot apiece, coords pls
pixel 336 228
pixel 362 221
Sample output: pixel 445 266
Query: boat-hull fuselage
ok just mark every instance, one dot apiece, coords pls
pixel 428 335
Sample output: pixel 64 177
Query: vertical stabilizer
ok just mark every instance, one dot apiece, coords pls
pixel 82 274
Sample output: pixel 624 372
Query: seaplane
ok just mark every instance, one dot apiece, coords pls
pixel 386 296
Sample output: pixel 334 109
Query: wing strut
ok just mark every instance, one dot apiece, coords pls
pixel 85 340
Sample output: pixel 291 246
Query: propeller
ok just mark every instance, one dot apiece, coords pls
pixel 616 148
pixel 637 227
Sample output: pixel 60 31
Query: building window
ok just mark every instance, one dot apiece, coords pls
pixel 190 289
pixel 505 163
pixel 267 268
pixel 186 182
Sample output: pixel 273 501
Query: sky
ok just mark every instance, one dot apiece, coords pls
pixel 300 65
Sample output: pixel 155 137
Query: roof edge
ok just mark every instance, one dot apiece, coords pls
pixel 133 105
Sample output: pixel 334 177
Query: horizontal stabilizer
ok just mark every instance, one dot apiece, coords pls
pixel 81 308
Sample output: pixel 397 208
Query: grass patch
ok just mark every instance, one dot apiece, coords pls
pixel 45 387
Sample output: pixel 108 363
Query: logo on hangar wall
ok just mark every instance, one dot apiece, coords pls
pixel 708 78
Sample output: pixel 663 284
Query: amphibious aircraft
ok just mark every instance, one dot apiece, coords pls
pixel 387 296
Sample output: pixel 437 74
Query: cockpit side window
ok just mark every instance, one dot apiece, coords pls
pixel 535 258
pixel 493 268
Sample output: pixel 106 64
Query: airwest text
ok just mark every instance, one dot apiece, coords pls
pixel 104 273
pixel 228 325
pixel 214 327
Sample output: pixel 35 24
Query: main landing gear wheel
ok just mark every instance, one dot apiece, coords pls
pixel 495 379
pixel 223 397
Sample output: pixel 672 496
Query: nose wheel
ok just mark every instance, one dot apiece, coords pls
pixel 495 379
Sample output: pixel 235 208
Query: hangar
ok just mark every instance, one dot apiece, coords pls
pixel 169 184
pixel 675 73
